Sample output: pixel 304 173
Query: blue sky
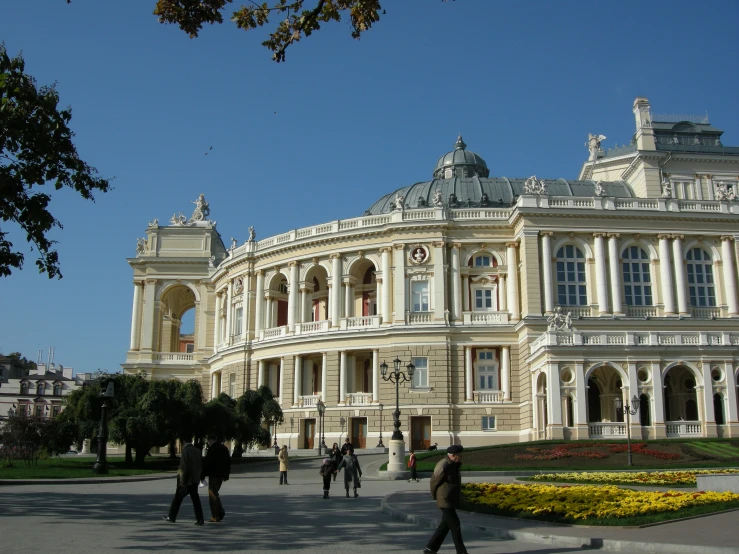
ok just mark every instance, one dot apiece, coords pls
pixel 524 82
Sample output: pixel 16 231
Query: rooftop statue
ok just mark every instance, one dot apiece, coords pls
pixel 666 188
pixel 599 189
pixel 593 145
pixel 399 201
pixel 141 246
pixel 534 186
pixel 178 219
pixel 202 209
pixel 724 191
pixel 252 234
pixel 438 199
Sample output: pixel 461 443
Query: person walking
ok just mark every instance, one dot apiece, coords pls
pixel 217 467
pixel 327 469
pixel 336 457
pixel 346 446
pixel 352 471
pixel 188 477
pixel 446 489
pixel 412 466
pixel 284 463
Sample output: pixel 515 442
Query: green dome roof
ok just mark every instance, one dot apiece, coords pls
pixel 460 163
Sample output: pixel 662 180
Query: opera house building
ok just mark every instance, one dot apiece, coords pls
pixel 529 307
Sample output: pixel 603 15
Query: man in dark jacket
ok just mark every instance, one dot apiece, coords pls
pixel 188 477
pixel 446 489
pixel 217 467
pixel 346 446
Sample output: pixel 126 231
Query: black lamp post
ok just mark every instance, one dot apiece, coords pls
pixel 101 463
pixel 321 407
pixel 379 444
pixel 629 411
pixel 397 377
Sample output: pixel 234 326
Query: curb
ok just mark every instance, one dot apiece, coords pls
pixel 591 543
pixel 86 480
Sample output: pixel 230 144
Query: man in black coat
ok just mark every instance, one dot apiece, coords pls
pixel 217 467
pixel 346 447
pixel 188 478
pixel 446 489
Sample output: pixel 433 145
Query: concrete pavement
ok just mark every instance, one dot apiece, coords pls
pixel 265 517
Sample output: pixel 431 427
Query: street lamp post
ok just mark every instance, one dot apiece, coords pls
pixel 379 444
pixel 321 439
pixel 396 468
pixel 397 377
pixel 101 463
pixel 629 411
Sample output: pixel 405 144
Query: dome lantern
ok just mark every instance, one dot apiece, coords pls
pixel 460 163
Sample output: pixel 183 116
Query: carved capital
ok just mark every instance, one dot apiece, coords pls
pixel 457 245
pixel 399 246
pixel 151 281
pixel 385 250
pixel 439 244
pixel 334 256
pixel 727 237
pixel 512 244
pixel 546 233
pixel 664 236
pixel 259 272
pixel 291 264
pixel 678 237
pixel 600 235
pixel 617 235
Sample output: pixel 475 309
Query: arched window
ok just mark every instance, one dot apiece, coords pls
pixel 24 388
pixel 571 285
pixel 40 389
pixel 57 390
pixel 700 278
pixel 645 416
pixel 637 279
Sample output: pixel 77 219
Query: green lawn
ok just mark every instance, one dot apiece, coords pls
pixel 69 467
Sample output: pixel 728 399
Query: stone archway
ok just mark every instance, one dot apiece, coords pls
pixel 175 301
pixel 681 399
pixel 541 407
pixel 317 296
pixel 364 289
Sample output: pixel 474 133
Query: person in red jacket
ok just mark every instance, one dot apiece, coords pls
pixel 412 466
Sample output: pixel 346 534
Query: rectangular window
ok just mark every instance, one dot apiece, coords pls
pixel 421 375
pixel 420 296
pixel 39 410
pixel 488 423
pixel 190 348
pixel 238 320
pixel 55 411
pixel 483 299
pixel 232 385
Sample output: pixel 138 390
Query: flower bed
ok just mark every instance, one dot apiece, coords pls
pixel 586 502
pixel 632 477
pixel 575 450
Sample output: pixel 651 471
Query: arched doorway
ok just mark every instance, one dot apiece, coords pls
pixel 175 303
pixel 316 297
pixel 364 295
pixel 682 417
pixel 605 388
pixel 541 407
pixel 276 295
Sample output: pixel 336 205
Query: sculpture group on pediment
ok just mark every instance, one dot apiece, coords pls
pixel 154 223
pixel 593 145
pixel 725 191
pixel 178 219
pixel 142 246
pixel 559 321
pixel 202 209
pixel 599 189
pixel 534 186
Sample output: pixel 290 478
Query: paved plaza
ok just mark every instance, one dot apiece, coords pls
pixel 262 516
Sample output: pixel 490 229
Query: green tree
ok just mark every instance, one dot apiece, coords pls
pixel 297 18
pixel 254 409
pixel 36 150
pixel 21 363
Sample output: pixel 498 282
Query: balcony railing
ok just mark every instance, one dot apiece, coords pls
pixel 630 338
pixel 641 311
pixel 683 428
pixel 706 313
pixel 308 400
pixel 485 318
pixel 414 318
pixel 174 357
pixel 606 430
pixel 361 322
pixel 359 398
pixel 274 332
pixel 488 397
pixel 312 327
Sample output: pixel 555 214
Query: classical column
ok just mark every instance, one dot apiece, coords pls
pixel 387 277
pixel 729 265
pixel 581 396
pixel 219 302
pixel 505 372
pixel 375 376
pixel 349 296
pixel 336 276
pixel 229 312
pixel 150 308
pixel 303 304
pixel 245 305
pixel 680 280
pixel 260 373
pixel 292 297
pixel 665 272
pixel 731 404
pixel 138 290
pixel 342 377
pixel 282 381
pixel 546 266
pixel 259 304
pixel 399 282
pixel 615 266
pixel 513 280
pixel 439 288
pixel 213 384
pixel 324 376
pixel 268 300
pixel 466 307
pixel 658 417
pixel 601 285
pixel 456 283
pixel 502 295
pixel 469 383
pixel 554 394
pixel 297 375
